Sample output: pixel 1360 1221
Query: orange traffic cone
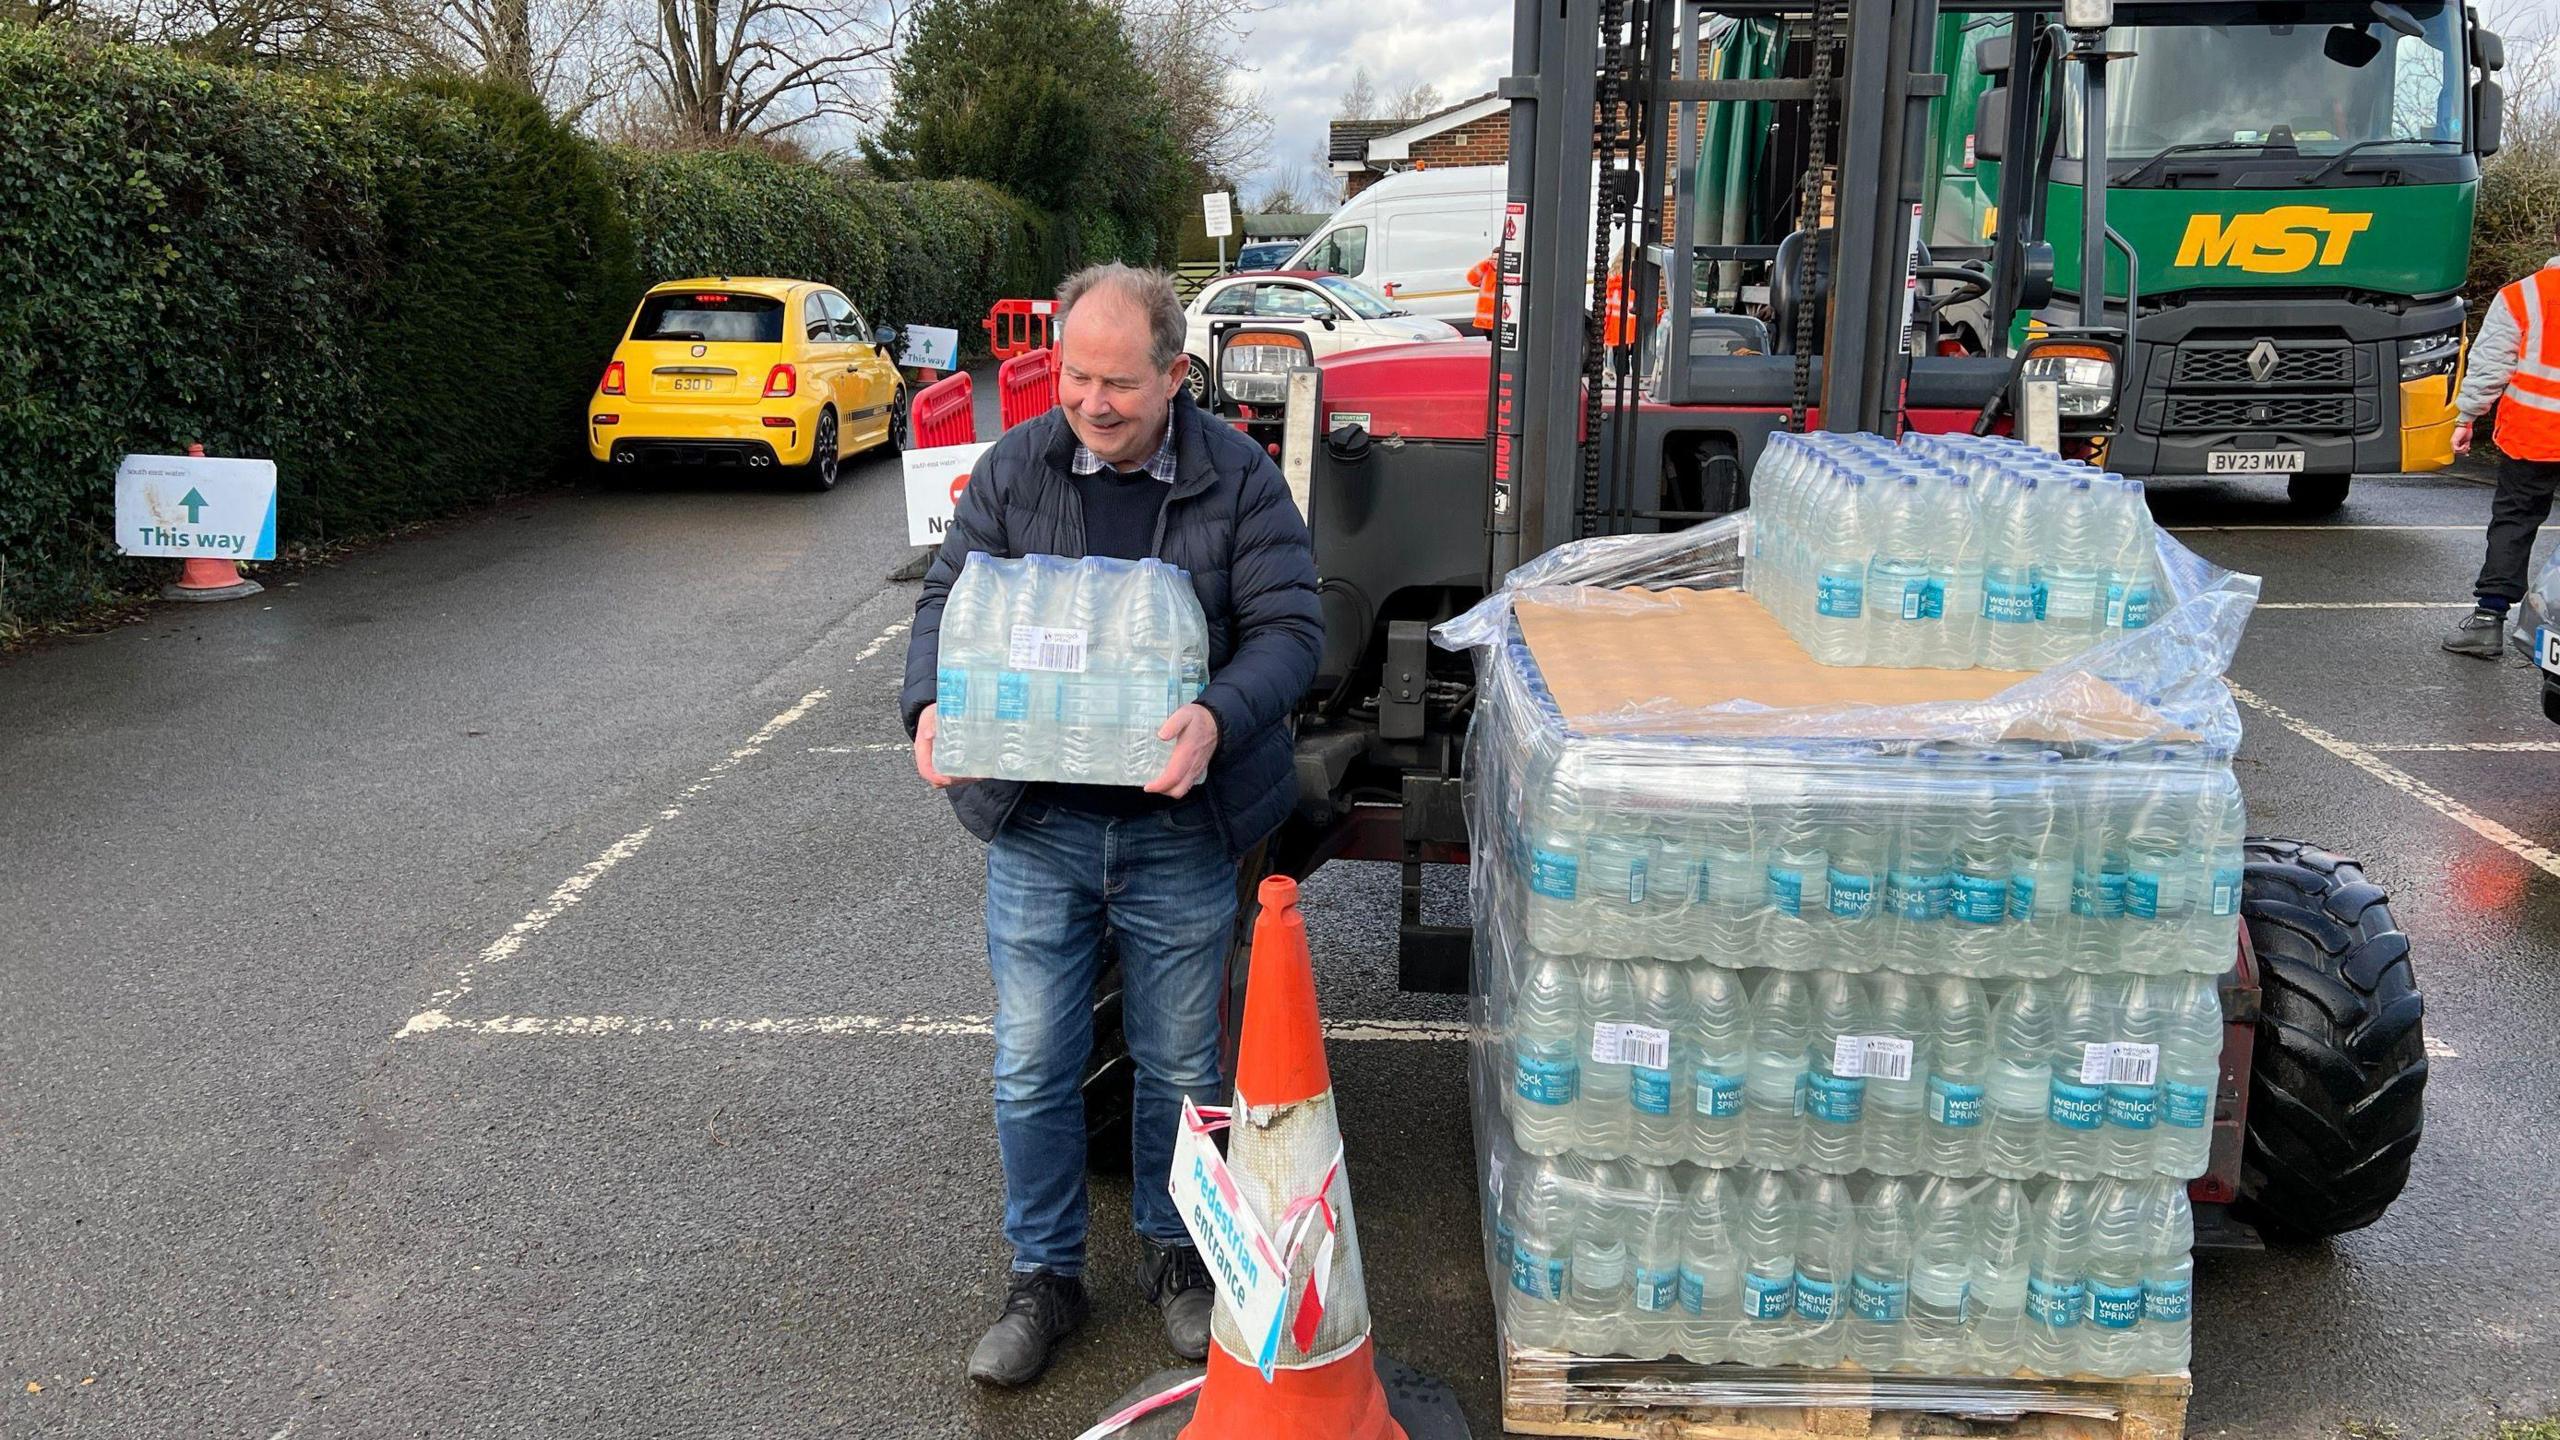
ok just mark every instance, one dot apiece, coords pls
pixel 202 579
pixel 1284 1153
pixel 1284 1144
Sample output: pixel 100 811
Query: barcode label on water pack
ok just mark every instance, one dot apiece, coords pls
pixel 1873 1057
pixel 1642 1046
pixel 1047 647
pixel 2119 1062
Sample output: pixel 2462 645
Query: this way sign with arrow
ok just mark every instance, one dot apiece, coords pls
pixel 196 506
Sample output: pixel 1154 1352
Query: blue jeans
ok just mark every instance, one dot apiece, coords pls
pixel 1056 879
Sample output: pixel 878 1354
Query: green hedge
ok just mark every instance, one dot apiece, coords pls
pixel 402 294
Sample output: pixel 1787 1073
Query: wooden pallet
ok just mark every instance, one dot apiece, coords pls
pixel 1547 1394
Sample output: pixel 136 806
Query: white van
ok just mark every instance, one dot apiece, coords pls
pixel 1413 236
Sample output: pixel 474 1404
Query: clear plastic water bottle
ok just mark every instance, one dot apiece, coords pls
pixel 2057 1278
pixel 1798 905
pixel 1835 1086
pixel 1558 920
pixel 1897 1072
pixel 1027 697
pixel 1957 1103
pixel 1768 1228
pixel 1597 1283
pixel 2100 861
pixel 1719 1056
pixel 2010 639
pixel 2003 1236
pixel 2038 939
pixel 2162 840
pixel 2067 571
pixel 2168 1280
pixel 2129 563
pixel 1711 1248
pixel 1152 672
pixel 1657 1064
pixel 1541 1222
pixel 1837 634
pixel 967 665
pixel 1781 1026
pixel 1978 871
pixel 1089 693
pixel 1880 1280
pixel 2213 914
pixel 2190 1072
pixel 1732 878
pixel 2022 1041
pixel 1616 863
pixel 1654 1215
pixel 1917 886
pixel 1957 557
pixel 1826 1241
pixel 1603 1118
pixel 1941 1277
pixel 2129 1146
pixel 1855 839
pixel 2077 1105
pixel 1546 1057
pixel 2118 1255
pixel 1902 622
pixel 1675 891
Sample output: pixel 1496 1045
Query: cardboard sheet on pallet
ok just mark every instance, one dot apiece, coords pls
pixel 1694 653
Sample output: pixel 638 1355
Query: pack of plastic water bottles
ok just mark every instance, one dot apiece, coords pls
pixel 1947 550
pixel 1835 1037
pixel 1056 669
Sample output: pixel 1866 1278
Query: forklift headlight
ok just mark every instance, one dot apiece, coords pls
pixel 2087 378
pixel 2430 355
pixel 1254 367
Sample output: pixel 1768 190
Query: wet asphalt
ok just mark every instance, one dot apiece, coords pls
pixel 702 1146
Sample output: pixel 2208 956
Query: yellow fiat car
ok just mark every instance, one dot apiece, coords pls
pixel 754 373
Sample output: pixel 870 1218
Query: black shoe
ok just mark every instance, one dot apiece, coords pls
pixel 2481 635
pixel 1041 1308
pixel 1177 1280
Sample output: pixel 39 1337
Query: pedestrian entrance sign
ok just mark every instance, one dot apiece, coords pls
pixel 195 507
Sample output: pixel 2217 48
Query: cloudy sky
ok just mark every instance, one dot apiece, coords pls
pixel 1305 52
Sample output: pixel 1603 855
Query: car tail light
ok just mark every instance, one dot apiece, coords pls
pixel 781 383
pixel 778 422
pixel 612 379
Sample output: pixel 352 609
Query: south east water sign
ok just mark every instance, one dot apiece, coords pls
pixel 196 507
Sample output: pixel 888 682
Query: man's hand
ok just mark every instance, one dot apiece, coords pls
pixel 2462 437
pixel 925 724
pixel 1194 733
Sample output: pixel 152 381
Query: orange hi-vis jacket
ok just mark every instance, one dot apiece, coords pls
pixel 2515 363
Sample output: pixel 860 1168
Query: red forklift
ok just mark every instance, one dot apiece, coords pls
pixel 1428 472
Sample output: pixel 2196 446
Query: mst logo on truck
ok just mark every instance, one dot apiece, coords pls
pixel 2278 241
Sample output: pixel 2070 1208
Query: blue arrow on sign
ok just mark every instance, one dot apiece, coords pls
pixel 194 502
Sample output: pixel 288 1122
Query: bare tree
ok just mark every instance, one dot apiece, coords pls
pixel 1412 103
pixel 727 70
pixel 1359 98
pixel 1194 49
pixel 1287 192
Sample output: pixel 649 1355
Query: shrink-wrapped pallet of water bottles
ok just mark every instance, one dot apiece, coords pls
pixel 1834 1021
pixel 1057 669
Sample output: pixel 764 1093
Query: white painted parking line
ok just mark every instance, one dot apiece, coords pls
pixel 2490 747
pixel 575 888
pixel 875 748
pixel 2342 529
pixel 2363 605
pixel 2438 1050
pixel 2363 758
pixel 927 1026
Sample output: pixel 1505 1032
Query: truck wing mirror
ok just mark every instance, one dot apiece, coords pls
pixel 2488 109
pixel 2488 51
pixel 1993 57
pixel 1990 123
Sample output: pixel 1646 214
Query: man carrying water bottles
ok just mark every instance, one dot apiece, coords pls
pixel 2514 364
pixel 1124 467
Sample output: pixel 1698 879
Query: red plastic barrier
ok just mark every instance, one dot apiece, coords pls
pixel 1027 385
pixel 1018 327
pixel 945 413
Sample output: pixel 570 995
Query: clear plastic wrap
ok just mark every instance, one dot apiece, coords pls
pixel 1057 669
pixel 1826 1051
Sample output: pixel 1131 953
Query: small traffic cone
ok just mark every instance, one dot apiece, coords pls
pixel 1329 1381
pixel 203 579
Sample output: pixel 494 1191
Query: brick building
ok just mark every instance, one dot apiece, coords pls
pixel 1471 132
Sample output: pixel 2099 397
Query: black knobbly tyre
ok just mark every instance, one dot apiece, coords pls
pixel 2337 1090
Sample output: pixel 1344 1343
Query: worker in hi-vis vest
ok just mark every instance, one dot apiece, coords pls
pixel 2514 364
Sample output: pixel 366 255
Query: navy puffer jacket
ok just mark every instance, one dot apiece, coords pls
pixel 1230 523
